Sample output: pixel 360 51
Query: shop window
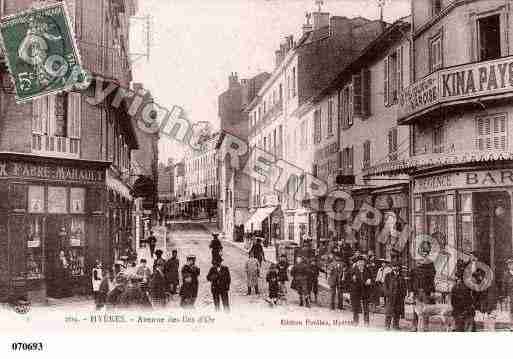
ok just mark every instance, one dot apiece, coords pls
pixel 36 199
pixel 35 260
pixel 18 197
pixel 436 203
pixel 491 133
pixel 57 200
pixel 489 37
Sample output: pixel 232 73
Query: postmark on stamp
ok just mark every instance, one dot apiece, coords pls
pixel 41 53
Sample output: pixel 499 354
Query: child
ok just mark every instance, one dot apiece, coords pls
pixel 105 287
pixel 96 279
pixel 274 286
pixel 283 277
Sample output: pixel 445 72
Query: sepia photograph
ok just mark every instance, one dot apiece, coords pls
pixel 255 166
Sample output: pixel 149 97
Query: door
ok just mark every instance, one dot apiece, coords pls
pixel 54 242
pixel 493 231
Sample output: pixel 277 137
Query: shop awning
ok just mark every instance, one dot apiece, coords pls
pixel 255 221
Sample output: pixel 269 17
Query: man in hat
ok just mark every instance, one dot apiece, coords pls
pixel 171 271
pixel 394 289
pixel 258 251
pixel 336 278
pixel 423 283
pixel 373 269
pixel 219 278
pixel 152 242
pixel 462 302
pixel 360 282
pixel 300 274
pixel 507 286
pixel 216 247
pixel 189 289
pixel 159 261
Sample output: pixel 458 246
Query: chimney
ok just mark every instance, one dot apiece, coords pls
pixel 307 27
pixel 320 19
pixel 233 79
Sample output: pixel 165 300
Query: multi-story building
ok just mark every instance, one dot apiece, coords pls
pixel 200 177
pixel 302 70
pixel 355 136
pixel 180 189
pixel 63 164
pixel 459 111
pixel 166 189
pixel 233 203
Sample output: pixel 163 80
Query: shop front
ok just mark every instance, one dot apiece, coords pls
pixel 51 225
pixel 467 210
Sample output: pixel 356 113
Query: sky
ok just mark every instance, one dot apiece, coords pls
pixel 196 44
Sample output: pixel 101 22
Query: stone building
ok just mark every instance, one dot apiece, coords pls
pixel 65 165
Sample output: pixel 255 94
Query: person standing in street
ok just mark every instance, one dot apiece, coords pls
pixel 423 283
pixel 158 286
pixel 462 302
pixel 152 242
pixel 272 279
pixel 360 285
pixel 252 273
pixel 96 280
pixel 283 276
pixel 171 272
pixel 219 278
pixel 189 288
pixel 300 274
pixel 394 288
pixel 507 287
pixel 258 251
pixel 216 247
pixel 159 261
pixel 315 271
pixel 335 278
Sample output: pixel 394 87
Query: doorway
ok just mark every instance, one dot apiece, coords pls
pixel 493 231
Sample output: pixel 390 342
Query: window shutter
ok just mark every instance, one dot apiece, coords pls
pixel 399 69
pixel 499 133
pixel 351 158
pixel 390 142
pixel 385 81
pixel 357 94
pixel 350 106
pixel 366 93
pixel 36 116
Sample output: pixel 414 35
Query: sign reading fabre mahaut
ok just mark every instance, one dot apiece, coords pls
pixel 41 52
pixel 457 83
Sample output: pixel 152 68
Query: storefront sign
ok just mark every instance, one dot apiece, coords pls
pixel 461 180
pixel 49 172
pixel 485 78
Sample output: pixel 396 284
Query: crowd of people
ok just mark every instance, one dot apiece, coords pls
pixel 370 283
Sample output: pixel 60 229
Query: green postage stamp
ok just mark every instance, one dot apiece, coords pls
pixel 41 52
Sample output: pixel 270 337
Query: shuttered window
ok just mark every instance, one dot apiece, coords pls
pixel 491 132
pixel 385 81
pixel 74 115
pixel 347 160
pixel 317 126
pixel 392 144
pixel 361 93
pixel 435 53
pixel 438 138
pixel 330 117
pixel 366 154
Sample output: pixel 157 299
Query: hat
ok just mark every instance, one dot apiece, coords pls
pixel 158 252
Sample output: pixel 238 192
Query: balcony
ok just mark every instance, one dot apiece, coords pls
pixel 463 84
pixel 55 146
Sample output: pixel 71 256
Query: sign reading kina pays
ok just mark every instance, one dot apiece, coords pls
pixel 41 53
pixel 459 83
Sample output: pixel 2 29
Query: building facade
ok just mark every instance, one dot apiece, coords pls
pixel 356 134
pixel 200 180
pixel 459 112
pixel 64 183
pixel 233 203
pixel 281 116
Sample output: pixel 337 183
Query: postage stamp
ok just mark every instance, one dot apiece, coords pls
pixel 41 53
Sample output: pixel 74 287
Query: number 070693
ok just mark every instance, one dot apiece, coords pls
pixel 27 346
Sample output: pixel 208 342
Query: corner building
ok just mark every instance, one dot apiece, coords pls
pixel 459 110
pixel 65 166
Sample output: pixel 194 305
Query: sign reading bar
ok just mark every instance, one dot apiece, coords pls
pixel 485 78
pixel 50 172
pixel 462 180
